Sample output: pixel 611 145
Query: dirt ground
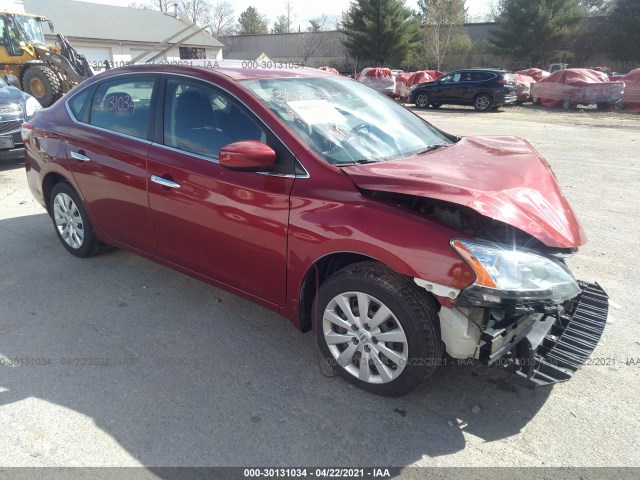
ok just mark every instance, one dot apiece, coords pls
pixel 191 375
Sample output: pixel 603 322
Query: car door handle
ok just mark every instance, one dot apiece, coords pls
pixel 80 156
pixel 164 182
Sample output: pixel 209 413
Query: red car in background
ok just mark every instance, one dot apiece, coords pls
pixel 323 200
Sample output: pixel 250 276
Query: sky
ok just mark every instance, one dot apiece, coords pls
pixel 302 9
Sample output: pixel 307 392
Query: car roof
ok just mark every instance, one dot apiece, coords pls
pixel 478 69
pixel 235 69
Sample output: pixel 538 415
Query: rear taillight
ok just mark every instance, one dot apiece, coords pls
pixel 26 129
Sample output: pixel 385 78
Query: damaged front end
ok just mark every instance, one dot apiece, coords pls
pixel 524 311
pixel 517 304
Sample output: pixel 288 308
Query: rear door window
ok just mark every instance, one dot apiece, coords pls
pixel 123 106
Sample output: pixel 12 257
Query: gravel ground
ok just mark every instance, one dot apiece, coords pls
pixel 189 375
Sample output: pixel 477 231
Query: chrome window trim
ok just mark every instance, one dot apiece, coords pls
pixel 186 152
pixel 217 162
pixel 202 157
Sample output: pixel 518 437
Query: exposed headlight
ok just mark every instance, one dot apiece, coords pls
pixel 31 106
pixel 504 273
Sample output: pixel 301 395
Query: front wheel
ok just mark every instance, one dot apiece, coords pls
pixel 482 102
pixel 377 329
pixel 422 100
pixel 72 223
pixel 42 82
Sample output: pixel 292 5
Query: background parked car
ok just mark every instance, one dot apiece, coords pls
pixel 483 88
pixel 380 79
pixel 577 86
pixel 15 107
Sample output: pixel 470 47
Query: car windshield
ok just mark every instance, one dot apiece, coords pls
pixel 31 28
pixel 345 122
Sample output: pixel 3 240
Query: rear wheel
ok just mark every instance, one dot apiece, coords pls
pixel 422 100
pixel 72 223
pixel 482 102
pixel 377 329
pixel 604 106
pixel 42 82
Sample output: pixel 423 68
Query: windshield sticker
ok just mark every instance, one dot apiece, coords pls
pixel 280 96
pixel 314 112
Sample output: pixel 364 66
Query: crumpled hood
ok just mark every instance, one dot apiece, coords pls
pixel 503 178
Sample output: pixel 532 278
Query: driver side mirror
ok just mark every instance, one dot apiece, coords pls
pixel 247 156
pixel 50 23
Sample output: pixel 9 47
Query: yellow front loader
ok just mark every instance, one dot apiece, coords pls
pixel 46 72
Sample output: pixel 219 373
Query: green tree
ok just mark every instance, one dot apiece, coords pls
pixel 383 32
pixel 624 36
pixel 281 25
pixel 252 21
pixel 537 32
pixel 284 23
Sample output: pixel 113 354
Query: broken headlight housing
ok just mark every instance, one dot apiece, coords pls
pixel 512 275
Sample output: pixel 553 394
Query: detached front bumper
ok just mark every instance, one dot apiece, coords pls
pixel 569 342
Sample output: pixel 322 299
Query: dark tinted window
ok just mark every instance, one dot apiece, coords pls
pixel 480 76
pixel 187 53
pixel 123 106
pixel 488 76
pixel 202 120
pixel 78 105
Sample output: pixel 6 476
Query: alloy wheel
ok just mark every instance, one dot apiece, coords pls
pixel 365 338
pixel 68 220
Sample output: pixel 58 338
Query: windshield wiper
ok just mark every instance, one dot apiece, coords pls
pixel 356 162
pixel 433 147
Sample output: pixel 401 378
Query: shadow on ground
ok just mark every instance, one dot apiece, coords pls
pixel 194 376
pixel 11 165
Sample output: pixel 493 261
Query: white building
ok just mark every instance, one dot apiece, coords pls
pixel 119 34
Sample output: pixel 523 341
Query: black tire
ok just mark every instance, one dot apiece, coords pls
pixel 42 82
pixel 483 102
pixel 413 312
pixel 567 105
pixel 422 100
pixel 89 245
pixel 436 105
pixel 604 106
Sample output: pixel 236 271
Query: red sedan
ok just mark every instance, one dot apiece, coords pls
pixel 323 200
